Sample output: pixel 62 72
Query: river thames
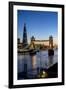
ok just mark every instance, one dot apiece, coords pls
pixel 40 60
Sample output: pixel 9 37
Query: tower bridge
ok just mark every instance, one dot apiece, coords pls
pixel 48 42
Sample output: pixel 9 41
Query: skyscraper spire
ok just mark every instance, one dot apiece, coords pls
pixel 25 42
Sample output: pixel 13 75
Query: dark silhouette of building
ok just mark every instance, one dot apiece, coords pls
pixel 18 40
pixel 25 42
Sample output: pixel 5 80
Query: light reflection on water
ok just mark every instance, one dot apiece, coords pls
pixel 40 60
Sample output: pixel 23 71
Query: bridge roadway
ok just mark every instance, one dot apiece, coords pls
pixel 41 40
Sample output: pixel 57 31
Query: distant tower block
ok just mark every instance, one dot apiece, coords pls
pixel 51 42
pixel 25 42
pixel 18 40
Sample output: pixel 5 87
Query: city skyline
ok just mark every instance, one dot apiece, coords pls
pixel 40 24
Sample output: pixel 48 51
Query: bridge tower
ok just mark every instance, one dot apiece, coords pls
pixel 50 51
pixel 25 42
pixel 51 42
pixel 32 45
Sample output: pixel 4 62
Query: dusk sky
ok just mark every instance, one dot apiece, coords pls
pixel 40 24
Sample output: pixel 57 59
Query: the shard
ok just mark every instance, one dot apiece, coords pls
pixel 25 42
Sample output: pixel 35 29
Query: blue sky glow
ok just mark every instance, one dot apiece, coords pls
pixel 40 24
